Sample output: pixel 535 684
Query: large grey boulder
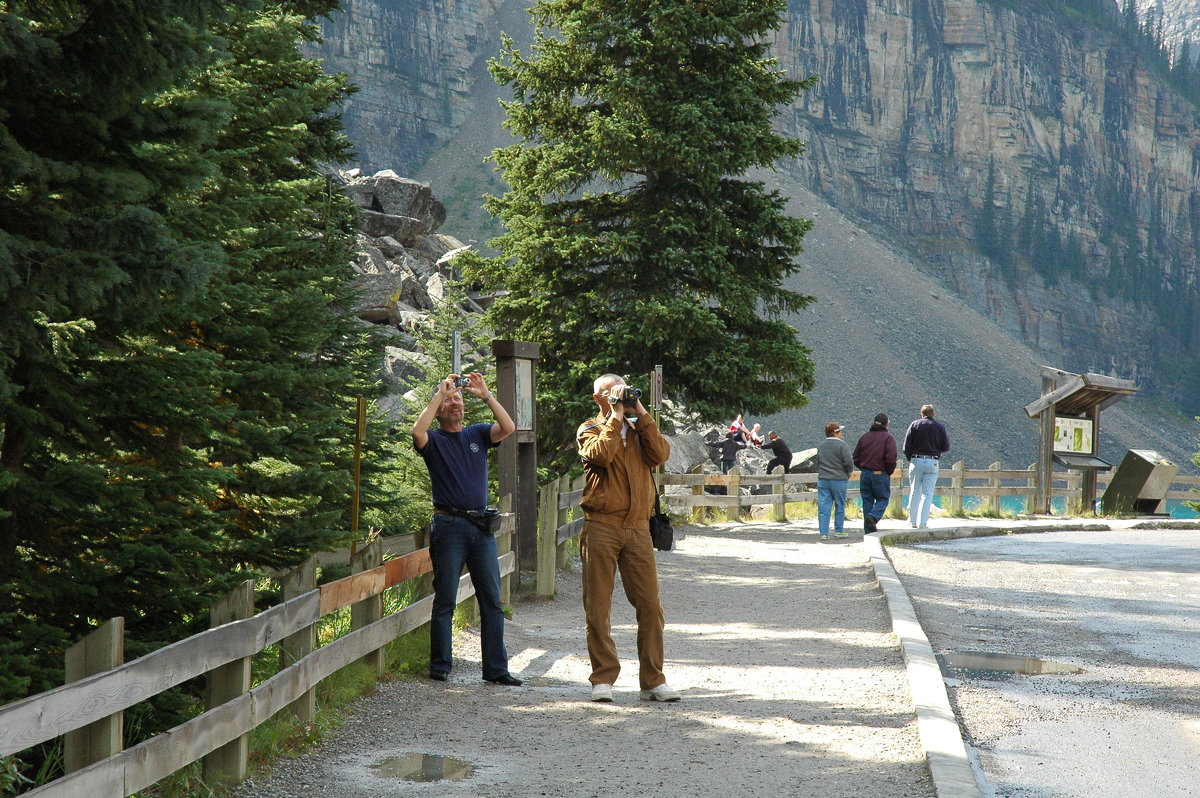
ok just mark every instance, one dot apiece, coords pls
pixel 402 228
pixel 414 293
pixel 373 296
pixel 804 462
pixel 753 461
pixel 402 369
pixel 370 259
pixel 687 452
pixel 431 248
pixel 387 193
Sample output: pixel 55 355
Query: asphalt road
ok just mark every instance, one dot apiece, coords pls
pixel 1122 605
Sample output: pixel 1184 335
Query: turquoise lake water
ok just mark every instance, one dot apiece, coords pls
pixel 1016 504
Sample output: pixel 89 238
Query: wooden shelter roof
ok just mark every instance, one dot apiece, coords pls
pixel 1077 394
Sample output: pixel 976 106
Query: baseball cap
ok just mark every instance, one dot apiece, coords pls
pixel 881 418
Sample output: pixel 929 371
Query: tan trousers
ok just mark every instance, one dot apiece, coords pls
pixel 604 549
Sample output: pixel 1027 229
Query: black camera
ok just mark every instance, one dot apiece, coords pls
pixel 462 382
pixel 629 397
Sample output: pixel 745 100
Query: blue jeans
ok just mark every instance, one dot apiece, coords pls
pixel 454 542
pixel 922 477
pixel 876 491
pixel 831 493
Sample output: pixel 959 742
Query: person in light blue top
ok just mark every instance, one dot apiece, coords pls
pixel 834 466
pixel 924 444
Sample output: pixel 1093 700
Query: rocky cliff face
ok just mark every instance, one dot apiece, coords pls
pixel 925 109
pixel 919 100
pixel 1180 21
pixel 413 62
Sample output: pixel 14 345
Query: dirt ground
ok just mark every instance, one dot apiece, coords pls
pixel 781 645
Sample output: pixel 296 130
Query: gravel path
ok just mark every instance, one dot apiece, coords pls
pixel 782 646
pixel 1123 605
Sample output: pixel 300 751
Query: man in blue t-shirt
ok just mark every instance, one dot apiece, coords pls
pixel 456 457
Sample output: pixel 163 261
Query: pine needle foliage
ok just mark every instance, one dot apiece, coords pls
pixel 176 381
pixel 633 236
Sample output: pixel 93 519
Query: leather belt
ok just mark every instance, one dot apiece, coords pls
pixel 458 512
pixel 925 456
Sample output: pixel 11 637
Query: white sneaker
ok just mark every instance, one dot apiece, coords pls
pixel 602 692
pixel 661 693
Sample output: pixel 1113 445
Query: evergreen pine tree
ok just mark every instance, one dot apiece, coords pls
pixel 634 237
pixel 94 146
pixel 992 243
pixel 177 392
pixel 290 365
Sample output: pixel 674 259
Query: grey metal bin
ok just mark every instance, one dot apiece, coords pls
pixel 1140 484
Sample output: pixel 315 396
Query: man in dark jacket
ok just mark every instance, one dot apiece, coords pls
pixel 729 448
pixel 924 444
pixel 783 455
pixel 875 458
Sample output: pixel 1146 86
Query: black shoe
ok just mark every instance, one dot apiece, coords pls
pixel 506 679
pixel 437 676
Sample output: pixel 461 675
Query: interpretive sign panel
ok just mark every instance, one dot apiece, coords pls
pixel 1075 435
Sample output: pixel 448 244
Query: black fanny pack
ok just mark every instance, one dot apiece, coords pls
pixel 487 519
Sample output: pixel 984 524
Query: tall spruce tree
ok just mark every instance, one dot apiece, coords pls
pixel 94 143
pixel 633 236
pixel 290 364
pixel 176 390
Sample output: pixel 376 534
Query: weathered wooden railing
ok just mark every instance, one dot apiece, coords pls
pixel 560 519
pixel 88 709
pixel 955 483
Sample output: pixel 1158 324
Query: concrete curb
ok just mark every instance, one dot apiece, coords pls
pixel 938 727
pixel 941 736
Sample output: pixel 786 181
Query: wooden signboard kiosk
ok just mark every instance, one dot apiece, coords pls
pixel 1069 428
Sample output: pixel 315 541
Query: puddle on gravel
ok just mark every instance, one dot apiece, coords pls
pixel 423 767
pixel 983 665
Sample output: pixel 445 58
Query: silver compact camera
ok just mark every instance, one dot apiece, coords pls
pixel 462 382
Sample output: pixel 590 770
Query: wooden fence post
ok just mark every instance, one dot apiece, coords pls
pixel 1031 497
pixel 295 647
pixel 546 539
pixel 564 516
pixel 994 482
pixel 778 506
pixel 896 499
pixel 699 514
pixel 227 765
pixel 733 512
pixel 369 609
pixel 504 546
pixel 103 649
pixel 956 487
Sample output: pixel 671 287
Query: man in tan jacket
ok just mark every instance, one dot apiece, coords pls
pixel 618 497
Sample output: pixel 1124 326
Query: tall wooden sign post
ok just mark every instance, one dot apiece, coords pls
pixel 1068 414
pixel 516 388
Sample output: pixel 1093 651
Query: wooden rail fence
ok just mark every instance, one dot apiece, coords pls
pixel 560 518
pixel 88 709
pixel 955 484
